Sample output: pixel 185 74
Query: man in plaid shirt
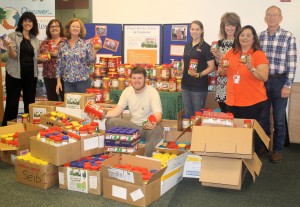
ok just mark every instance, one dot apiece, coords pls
pixel 280 48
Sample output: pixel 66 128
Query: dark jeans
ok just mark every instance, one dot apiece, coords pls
pixel 27 84
pixel 50 84
pixel 273 87
pixel 247 112
pixel 78 87
pixel 193 101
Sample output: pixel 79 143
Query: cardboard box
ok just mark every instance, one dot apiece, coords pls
pixel 128 186
pixel 78 100
pixel 55 155
pixel 169 125
pixel 85 181
pixel 233 142
pixel 26 130
pixel 78 113
pixel 12 122
pixel 87 146
pixel 227 153
pixel 46 121
pixel 39 108
pixel 174 170
pixel 40 176
pixel 192 166
pixel 228 172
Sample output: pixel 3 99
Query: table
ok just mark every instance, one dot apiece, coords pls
pixel 171 102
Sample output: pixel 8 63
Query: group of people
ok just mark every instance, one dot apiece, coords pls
pixel 65 55
pixel 255 73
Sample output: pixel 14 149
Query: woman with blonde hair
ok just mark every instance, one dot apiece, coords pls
pixel 74 57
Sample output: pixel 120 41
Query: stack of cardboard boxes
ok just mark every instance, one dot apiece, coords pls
pixel 227 152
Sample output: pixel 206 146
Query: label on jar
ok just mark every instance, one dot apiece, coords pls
pixel 193 65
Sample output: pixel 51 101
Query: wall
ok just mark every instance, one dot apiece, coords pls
pixel 208 11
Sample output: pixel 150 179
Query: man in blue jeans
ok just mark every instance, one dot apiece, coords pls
pixel 280 48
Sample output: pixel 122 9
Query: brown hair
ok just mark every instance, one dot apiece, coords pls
pixel 197 22
pixel 82 28
pixel 230 18
pixel 255 46
pixel 138 70
pixel 61 34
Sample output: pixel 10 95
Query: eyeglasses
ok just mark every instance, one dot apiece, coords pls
pixel 229 25
pixel 51 27
pixel 272 15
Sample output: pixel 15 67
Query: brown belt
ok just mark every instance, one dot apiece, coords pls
pixel 277 75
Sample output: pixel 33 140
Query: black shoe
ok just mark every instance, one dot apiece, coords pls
pixel 262 151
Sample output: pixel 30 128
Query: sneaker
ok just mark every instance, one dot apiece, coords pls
pixel 276 157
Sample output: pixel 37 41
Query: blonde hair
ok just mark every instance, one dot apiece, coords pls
pixel 82 28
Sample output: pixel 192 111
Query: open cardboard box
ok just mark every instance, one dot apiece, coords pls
pixel 39 108
pixel 174 171
pixel 40 176
pixel 78 100
pixel 26 130
pixel 227 153
pixel 233 142
pixel 46 121
pixel 87 146
pixel 228 172
pixel 71 179
pixel 128 186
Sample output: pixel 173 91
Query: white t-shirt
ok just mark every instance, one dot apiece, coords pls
pixel 140 105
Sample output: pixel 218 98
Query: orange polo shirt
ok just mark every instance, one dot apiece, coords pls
pixel 250 90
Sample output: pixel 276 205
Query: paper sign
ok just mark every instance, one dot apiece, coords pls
pixel 77 180
pixel 93 182
pixel 136 195
pixel 119 192
pixel 90 143
pixel 61 178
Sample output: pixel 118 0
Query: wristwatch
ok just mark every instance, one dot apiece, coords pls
pixel 252 70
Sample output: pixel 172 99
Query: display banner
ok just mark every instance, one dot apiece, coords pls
pixel 142 44
pixel 11 11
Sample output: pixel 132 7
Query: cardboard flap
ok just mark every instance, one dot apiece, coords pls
pixel 24 138
pixel 6 147
pixel 210 139
pixel 157 175
pixel 140 161
pixel 172 135
pixel 261 133
pixel 253 165
pixel 12 129
pixel 219 170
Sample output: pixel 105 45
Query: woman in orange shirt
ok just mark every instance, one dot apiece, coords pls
pixel 247 71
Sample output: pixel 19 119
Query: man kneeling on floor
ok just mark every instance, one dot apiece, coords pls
pixel 142 101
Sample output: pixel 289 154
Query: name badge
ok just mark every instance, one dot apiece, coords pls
pixel 236 79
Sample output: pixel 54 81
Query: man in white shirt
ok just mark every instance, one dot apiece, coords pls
pixel 142 101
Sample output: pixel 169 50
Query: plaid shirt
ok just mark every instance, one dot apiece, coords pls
pixel 281 51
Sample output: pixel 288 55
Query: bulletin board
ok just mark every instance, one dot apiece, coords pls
pixel 142 43
pixel 111 37
pixel 175 37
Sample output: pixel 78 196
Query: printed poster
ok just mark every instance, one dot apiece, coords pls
pixel 142 44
